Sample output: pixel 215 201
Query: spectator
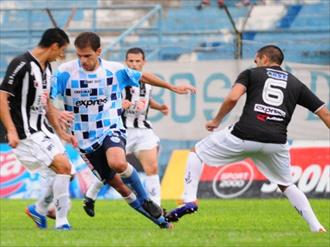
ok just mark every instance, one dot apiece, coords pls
pixel 205 3
pixel 221 3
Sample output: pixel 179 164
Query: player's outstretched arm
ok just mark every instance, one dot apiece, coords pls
pixel 155 105
pixel 7 121
pixel 324 115
pixel 229 103
pixel 153 80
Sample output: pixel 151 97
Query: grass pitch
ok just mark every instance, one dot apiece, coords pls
pixel 271 222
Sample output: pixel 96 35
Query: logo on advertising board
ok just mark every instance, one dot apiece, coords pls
pixel 233 180
pixel 310 169
pixel 310 172
pixel 12 173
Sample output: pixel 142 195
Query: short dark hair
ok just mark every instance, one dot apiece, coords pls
pixel 135 50
pixel 273 52
pixel 54 35
pixel 88 39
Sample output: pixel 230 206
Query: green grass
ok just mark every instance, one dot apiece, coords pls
pixel 271 222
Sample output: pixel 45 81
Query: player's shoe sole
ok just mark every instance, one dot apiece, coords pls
pixel 177 213
pixel 39 220
pixel 88 205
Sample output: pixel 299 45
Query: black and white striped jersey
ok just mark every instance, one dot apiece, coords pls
pixel 131 117
pixel 271 98
pixel 28 88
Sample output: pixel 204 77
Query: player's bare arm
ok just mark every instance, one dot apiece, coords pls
pixel 7 121
pixel 53 115
pixel 324 115
pixel 138 105
pixel 155 105
pixel 229 103
pixel 66 119
pixel 153 80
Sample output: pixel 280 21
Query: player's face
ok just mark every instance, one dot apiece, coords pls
pixel 135 61
pixel 57 52
pixel 89 59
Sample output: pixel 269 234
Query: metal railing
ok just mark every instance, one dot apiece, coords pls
pixel 20 30
pixel 118 44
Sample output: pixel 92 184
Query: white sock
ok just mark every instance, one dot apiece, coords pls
pixel 300 202
pixel 128 172
pixel 191 179
pixel 46 195
pixel 152 184
pixel 61 198
pixel 131 198
pixel 94 189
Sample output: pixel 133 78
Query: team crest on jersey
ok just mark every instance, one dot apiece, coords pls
pixel 132 90
pixel 36 84
pixel 115 139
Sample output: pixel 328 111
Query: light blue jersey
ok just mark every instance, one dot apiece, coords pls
pixel 94 98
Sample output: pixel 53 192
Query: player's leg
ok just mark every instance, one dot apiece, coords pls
pixel 25 154
pixel 219 148
pixel 300 202
pixel 116 158
pixel 47 196
pixel 98 161
pixel 39 210
pixel 94 189
pixel 148 159
pixel 91 195
pixel 62 167
pixel 191 180
pixel 275 165
pixel 51 211
pixel 47 152
pixel 146 150
pixel 132 200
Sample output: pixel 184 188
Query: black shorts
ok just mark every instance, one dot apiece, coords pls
pixel 97 160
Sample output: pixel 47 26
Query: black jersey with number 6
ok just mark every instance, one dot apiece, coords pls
pixel 271 97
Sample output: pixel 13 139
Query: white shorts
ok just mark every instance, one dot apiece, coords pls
pixel 221 148
pixel 38 150
pixel 140 139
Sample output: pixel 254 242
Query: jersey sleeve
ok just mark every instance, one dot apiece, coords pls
pixel 14 76
pixel 308 99
pixel 59 84
pixel 243 78
pixel 128 77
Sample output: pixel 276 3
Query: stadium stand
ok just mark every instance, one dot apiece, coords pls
pixel 175 30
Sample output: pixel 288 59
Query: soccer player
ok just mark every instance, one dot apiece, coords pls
pixel 25 113
pixel 91 88
pixel 141 139
pixel 271 97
